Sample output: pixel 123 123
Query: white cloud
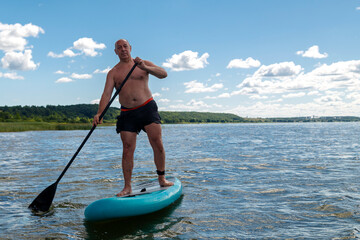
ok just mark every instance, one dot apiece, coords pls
pixel 283 78
pixel 353 95
pixel 156 94
pixel 294 95
pixel 329 89
pixel 106 70
pixel 338 68
pixel 222 95
pixel 197 87
pixel 187 60
pixel 271 79
pixel 13 43
pixel 358 8
pixel 64 80
pixel 165 89
pixel 81 76
pixel 13 36
pixel 12 75
pixel 258 97
pixel 343 74
pixel 312 52
pixel 328 99
pixel 208 97
pixel 279 100
pixel 65 53
pixel 86 46
pixel 19 61
pixel 335 87
pixel 279 70
pixel 312 93
pixel 194 105
pixel 60 72
pixel 164 100
pixel 247 63
pixel 96 101
pixel 322 107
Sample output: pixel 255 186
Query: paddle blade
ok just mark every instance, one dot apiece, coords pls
pixel 43 202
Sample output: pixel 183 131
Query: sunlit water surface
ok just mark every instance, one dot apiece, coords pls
pixel 241 181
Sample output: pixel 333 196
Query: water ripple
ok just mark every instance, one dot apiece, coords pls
pixel 241 181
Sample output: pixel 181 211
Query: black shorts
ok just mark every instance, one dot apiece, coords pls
pixel 135 120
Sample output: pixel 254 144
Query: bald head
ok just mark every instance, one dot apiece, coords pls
pixel 121 41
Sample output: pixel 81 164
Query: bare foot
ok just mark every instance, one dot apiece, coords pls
pixel 164 183
pixel 125 191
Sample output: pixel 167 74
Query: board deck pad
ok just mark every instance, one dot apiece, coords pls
pixel 148 186
pixel 145 191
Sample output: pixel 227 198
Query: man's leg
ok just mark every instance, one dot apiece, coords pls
pixel 129 145
pixel 153 131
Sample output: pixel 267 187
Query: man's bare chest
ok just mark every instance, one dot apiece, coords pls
pixel 138 76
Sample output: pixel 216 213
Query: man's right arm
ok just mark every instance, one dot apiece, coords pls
pixel 105 97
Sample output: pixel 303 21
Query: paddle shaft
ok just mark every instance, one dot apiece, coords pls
pixel 43 201
pixel 94 126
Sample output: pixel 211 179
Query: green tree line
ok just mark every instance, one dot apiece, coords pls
pixel 199 117
pixel 83 113
pixel 80 113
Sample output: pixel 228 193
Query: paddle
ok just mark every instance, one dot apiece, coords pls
pixel 43 201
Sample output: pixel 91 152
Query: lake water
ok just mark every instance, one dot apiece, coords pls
pixel 240 181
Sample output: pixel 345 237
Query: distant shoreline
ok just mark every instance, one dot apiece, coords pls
pixel 79 117
pixel 53 126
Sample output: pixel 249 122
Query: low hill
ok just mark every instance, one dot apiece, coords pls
pixel 80 113
pixel 83 113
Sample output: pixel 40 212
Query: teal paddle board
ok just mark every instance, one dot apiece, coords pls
pixel 147 199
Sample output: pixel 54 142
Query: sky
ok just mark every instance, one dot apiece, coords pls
pixel 253 58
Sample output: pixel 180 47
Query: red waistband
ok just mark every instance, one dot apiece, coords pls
pixel 130 109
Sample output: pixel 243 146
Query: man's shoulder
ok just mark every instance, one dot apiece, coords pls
pixel 147 62
pixel 114 69
pixel 110 72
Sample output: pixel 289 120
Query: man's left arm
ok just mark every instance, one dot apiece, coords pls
pixel 151 68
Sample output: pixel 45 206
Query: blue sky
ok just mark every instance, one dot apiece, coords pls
pixel 255 58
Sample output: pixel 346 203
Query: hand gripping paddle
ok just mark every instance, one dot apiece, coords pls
pixel 43 202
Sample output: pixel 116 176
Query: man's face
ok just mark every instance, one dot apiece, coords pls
pixel 122 48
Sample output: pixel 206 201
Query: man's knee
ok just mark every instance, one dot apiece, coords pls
pixel 128 141
pixel 128 150
pixel 128 147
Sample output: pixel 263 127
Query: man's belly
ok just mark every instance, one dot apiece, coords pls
pixel 134 101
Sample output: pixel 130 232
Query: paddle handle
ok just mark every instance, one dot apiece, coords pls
pixel 94 126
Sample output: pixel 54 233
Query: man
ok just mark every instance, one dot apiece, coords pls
pixel 138 110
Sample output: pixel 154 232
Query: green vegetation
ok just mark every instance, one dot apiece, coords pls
pixel 73 117
pixel 81 113
pixel 199 117
pixel 80 116
pixel 39 126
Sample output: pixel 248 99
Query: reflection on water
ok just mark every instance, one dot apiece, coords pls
pixel 240 181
